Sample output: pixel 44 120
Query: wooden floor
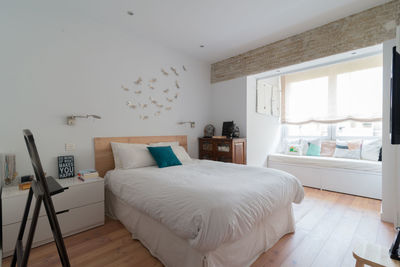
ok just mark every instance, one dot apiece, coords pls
pixel 328 224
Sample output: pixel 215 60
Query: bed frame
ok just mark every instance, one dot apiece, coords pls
pixel 103 156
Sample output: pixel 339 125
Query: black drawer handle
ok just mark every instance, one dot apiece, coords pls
pixel 63 211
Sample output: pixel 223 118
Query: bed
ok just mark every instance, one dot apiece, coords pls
pixel 202 213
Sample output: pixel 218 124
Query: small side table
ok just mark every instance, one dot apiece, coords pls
pixel 373 255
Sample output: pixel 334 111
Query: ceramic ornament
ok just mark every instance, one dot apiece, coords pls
pixel 184 68
pixel 177 84
pixel 125 88
pixel 154 102
pixel 166 91
pixel 153 80
pixel 164 72
pixel 168 108
pixel 160 106
pixel 138 81
pixel 158 113
pixel 138 92
pixel 130 104
pixel 174 71
pixel 170 99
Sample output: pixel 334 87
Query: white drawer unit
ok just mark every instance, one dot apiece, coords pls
pixel 80 207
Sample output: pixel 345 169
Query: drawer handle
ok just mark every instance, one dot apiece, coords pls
pixel 63 211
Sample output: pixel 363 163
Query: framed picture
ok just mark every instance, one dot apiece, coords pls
pixel 66 167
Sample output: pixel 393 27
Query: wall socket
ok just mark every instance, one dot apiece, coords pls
pixel 69 147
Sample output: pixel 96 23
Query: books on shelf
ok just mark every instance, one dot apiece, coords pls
pixel 87 174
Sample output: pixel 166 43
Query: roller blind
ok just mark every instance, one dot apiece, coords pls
pixel 350 91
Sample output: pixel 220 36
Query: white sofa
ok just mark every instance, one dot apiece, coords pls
pixel 356 177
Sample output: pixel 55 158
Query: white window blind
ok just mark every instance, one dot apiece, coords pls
pixel 350 91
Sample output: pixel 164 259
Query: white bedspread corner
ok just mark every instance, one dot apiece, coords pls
pixel 206 202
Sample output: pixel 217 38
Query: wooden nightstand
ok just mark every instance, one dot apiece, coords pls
pixel 226 150
pixel 79 207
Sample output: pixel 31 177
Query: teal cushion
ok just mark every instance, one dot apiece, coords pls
pixel 313 150
pixel 164 156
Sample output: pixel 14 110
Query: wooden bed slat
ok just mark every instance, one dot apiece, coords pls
pixel 104 160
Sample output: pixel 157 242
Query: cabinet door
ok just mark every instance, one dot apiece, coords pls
pixel 206 149
pixel 239 155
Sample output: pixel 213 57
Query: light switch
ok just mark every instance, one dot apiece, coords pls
pixel 69 147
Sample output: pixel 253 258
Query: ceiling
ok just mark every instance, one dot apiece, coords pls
pixel 225 27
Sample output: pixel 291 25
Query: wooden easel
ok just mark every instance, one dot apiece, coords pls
pixel 42 188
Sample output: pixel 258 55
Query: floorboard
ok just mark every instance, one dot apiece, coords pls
pixel 328 226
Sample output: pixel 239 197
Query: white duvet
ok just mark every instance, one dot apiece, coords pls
pixel 205 202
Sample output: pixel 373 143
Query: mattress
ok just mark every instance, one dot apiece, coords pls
pixel 328 162
pixel 207 203
pixel 174 251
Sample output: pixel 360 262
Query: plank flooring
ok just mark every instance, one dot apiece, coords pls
pixel 328 226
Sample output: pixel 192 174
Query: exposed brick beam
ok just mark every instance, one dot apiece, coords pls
pixel 367 28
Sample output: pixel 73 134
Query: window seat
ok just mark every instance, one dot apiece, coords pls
pixel 356 177
pixel 329 162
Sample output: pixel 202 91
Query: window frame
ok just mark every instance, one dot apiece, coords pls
pixel 330 137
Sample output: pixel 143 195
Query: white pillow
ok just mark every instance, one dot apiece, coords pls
pixel 305 143
pixel 131 156
pixel 179 151
pixel 285 142
pixel 370 149
pixel 117 161
pixel 165 144
pixel 348 149
pixel 294 149
pixel 181 154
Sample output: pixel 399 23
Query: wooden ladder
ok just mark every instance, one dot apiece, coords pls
pixel 42 188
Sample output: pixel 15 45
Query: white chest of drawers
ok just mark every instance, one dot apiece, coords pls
pixel 79 207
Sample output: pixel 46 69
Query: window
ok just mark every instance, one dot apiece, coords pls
pixel 308 130
pixel 358 129
pixel 340 100
pixel 305 97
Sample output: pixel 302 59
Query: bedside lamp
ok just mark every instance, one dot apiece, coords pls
pixel 192 123
pixel 71 119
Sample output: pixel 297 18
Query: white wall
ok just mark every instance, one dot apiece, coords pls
pixel 55 63
pixel 263 132
pixel 228 102
pixel 236 100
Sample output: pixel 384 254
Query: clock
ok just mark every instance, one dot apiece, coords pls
pixel 209 130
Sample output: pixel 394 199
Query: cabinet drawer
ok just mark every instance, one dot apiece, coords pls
pixel 73 221
pixel 73 197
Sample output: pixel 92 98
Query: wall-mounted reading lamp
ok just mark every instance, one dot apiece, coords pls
pixel 192 123
pixel 71 119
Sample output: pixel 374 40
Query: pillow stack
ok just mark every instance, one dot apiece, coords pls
pixel 164 154
pixel 368 149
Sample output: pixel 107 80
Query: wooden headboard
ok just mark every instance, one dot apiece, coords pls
pixel 103 156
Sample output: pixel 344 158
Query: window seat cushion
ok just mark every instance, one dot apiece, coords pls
pixel 328 162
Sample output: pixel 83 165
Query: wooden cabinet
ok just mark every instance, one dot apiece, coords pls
pixel 226 150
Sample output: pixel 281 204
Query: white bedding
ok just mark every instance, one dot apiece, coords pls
pixel 207 203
